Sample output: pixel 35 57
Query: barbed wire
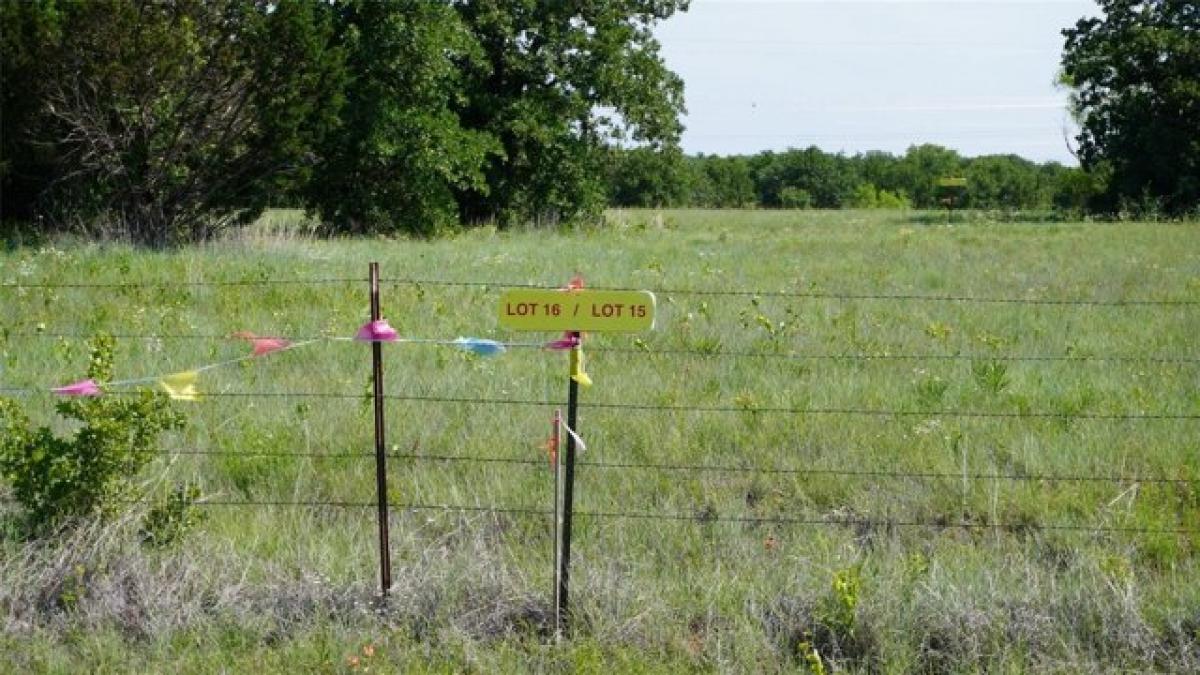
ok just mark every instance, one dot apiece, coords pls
pixel 812 295
pixel 651 351
pixel 709 468
pixel 183 284
pixel 881 412
pixel 655 407
pixel 818 295
pixel 863 356
pixel 702 517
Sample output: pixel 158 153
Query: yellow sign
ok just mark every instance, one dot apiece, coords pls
pixel 581 310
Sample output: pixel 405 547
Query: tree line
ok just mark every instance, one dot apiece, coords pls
pixel 165 121
pixel 811 178
pixel 1134 73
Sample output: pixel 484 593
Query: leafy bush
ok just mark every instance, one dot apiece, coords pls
pixel 172 516
pixel 867 196
pixel 827 635
pixel 91 471
pixel 795 198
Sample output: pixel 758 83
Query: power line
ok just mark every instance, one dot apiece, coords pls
pixel 1021 137
pixel 888 44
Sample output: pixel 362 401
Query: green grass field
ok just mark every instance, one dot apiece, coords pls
pixel 1007 520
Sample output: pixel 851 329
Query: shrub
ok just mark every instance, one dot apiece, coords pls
pixel 172 516
pixel 867 196
pixel 90 472
pixel 795 198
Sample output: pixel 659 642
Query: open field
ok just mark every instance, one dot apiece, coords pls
pixel 982 501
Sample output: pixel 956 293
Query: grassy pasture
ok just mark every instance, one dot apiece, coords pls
pixel 281 588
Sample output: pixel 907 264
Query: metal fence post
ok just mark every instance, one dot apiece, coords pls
pixel 564 561
pixel 385 555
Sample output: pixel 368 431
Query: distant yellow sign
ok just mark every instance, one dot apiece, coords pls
pixel 581 310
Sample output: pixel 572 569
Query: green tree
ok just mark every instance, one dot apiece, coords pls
pixel 558 81
pixel 165 121
pixel 648 177
pixel 919 170
pixel 400 152
pixel 1077 190
pixel 1136 75
pixel 1002 182
pixel 25 166
pixel 827 179
pixel 880 169
pixel 721 182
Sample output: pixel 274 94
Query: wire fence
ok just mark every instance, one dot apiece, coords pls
pixel 759 293
pixel 708 517
pixel 704 515
pixel 650 351
pixel 182 284
pixel 673 408
pixel 714 468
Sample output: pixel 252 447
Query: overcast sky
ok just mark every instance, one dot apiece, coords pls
pixel 856 75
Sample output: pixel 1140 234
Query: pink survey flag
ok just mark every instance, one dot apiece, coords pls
pixel 81 388
pixel 567 341
pixel 263 345
pixel 377 331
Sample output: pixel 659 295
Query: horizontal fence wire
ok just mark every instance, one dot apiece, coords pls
pixel 860 356
pixel 653 407
pixel 708 468
pixel 183 284
pixel 704 517
pixel 881 523
pixel 813 295
pixel 881 412
pixel 650 351
pixel 820 295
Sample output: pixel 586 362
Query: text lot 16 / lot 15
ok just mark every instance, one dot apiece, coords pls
pixel 594 310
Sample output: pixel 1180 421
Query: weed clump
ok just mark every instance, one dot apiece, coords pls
pixel 826 634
